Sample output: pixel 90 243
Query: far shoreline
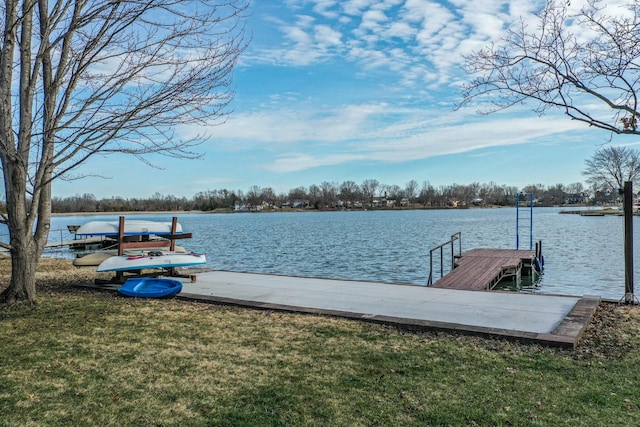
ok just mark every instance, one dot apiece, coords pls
pixel 127 213
pixel 226 211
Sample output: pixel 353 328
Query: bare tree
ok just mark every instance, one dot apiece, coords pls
pixel 329 194
pixel 315 194
pixel 411 191
pixel 575 188
pixel 269 196
pixel 584 63
pixel 298 193
pixel 79 78
pixel 395 193
pixel 536 189
pixel 349 192
pixel 254 196
pixel 556 193
pixel 368 189
pixel 427 194
pixel 610 167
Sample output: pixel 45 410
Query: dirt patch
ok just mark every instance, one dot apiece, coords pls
pixel 52 273
pixel 613 332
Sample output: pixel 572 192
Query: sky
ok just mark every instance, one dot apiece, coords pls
pixel 349 90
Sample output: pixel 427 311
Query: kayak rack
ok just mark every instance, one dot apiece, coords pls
pixel 136 242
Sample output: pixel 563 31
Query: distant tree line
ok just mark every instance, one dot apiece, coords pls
pixel 605 172
pixel 370 194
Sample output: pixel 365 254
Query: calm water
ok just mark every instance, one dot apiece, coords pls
pixel 583 255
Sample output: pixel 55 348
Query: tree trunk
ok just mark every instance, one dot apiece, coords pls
pixel 22 286
pixel 26 249
pixel 28 223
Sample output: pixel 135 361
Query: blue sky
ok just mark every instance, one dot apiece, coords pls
pixel 336 90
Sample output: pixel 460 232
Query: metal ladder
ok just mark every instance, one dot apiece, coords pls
pixel 524 217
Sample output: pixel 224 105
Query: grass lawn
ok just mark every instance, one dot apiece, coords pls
pixel 83 357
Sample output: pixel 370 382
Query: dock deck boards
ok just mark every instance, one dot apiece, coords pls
pixel 482 269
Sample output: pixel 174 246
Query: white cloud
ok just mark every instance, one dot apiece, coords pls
pixel 356 7
pixel 274 128
pixel 422 41
pixel 327 36
pixel 323 8
pixel 299 162
pixel 401 30
pixel 372 20
pixel 308 138
pixel 459 138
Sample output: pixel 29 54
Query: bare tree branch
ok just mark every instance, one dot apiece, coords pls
pixel 585 64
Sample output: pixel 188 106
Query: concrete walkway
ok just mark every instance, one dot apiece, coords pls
pixel 547 319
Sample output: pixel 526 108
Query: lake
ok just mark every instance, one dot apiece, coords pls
pixel 583 255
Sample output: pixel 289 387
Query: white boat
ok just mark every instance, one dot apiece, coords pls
pixel 150 260
pixel 131 227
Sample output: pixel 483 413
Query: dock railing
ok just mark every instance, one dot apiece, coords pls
pixel 58 241
pixel 457 237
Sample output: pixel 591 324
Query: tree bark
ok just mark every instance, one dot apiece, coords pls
pixel 22 286
pixel 28 235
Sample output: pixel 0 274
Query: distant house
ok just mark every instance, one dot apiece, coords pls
pixel 296 204
pixel 246 207
pixel 576 198
pixel 477 201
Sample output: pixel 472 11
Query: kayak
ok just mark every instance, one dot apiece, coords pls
pixel 131 227
pixel 147 287
pixel 96 258
pixel 151 259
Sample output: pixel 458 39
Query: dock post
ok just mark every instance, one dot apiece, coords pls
pixel 120 236
pixel 628 243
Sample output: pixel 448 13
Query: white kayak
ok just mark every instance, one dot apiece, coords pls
pixel 110 228
pixel 96 258
pixel 151 259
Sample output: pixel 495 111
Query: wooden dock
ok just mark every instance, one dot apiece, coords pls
pixel 78 243
pixel 482 269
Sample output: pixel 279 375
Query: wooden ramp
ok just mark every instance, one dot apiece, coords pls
pixel 482 269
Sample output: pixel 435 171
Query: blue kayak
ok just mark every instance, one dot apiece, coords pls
pixel 148 287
